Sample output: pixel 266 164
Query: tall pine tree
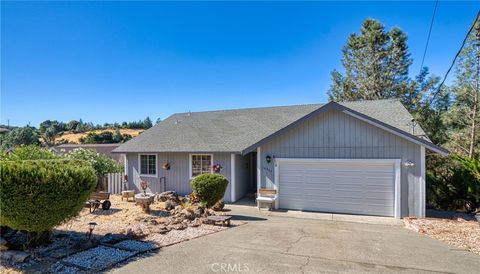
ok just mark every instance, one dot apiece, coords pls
pixel 376 65
pixel 463 117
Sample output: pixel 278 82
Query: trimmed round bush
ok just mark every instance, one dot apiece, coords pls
pixel 37 195
pixel 209 188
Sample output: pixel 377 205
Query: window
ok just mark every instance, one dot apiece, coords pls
pixel 148 164
pixel 201 163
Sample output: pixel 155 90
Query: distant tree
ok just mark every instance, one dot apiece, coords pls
pixel 56 125
pixel 117 136
pixel 463 118
pixel 147 123
pixel 376 65
pixel 20 136
pixel 105 137
pixel 72 125
pixel 126 137
pixel 158 120
pixel 49 135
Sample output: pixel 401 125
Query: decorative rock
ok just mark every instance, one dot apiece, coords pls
pixel 188 213
pixel 14 256
pixel 3 244
pixel 198 212
pixel 169 205
pixel 219 205
pixel 110 238
pixel 168 196
pixel 17 240
pixel 7 232
pixel 195 223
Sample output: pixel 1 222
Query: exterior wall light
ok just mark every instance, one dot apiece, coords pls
pixel 268 159
pixel 408 164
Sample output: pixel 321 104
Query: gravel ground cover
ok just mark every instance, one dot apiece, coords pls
pixel 59 268
pixel 176 236
pixel 99 258
pixel 458 233
pixel 136 245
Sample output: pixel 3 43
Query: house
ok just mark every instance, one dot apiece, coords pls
pixel 105 149
pixel 363 157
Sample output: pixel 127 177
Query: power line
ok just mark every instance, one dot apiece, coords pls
pixel 429 33
pixel 456 56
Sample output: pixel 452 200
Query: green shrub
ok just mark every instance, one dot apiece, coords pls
pixel 37 195
pixel 29 152
pixel 453 183
pixel 101 163
pixel 209 188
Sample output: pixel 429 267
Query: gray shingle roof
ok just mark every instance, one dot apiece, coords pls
pixel 237 129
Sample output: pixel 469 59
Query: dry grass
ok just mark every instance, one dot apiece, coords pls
pixel 74 137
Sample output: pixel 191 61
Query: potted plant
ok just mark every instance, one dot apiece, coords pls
pixel 217 168
pixel 144 185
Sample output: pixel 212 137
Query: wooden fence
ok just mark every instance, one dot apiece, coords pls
pixel 115 182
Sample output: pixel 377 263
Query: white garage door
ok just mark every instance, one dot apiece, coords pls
pixel 342 186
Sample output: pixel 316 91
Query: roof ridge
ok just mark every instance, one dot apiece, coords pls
pixel 251 108
pixel 372 100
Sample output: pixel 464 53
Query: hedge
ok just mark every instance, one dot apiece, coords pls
pixel 37 195
pixel 209 188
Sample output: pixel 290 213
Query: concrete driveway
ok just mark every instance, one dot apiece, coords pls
pixel 278 244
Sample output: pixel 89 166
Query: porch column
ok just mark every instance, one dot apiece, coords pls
pixel 259 169
pixel 232 178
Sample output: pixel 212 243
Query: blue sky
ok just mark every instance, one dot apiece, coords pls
pixel 123 61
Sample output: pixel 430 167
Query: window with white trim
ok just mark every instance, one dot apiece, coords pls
pixel 148 164
pixel 200 163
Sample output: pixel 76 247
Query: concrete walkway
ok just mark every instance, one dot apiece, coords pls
pixel 272 243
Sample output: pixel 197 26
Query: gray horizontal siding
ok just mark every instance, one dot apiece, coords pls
pixel 334 134
pixel 177 177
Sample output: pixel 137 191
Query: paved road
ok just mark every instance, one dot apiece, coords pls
pixel 273 244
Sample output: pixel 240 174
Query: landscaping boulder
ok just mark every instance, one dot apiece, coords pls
pixel 3 244
pixel 14 256
pixel 198 212
pixel 219 205
pixel 17 240
pixel 110 238
pixel 168 196
pixel 169 205
pixel 188 214
pixel 196 222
